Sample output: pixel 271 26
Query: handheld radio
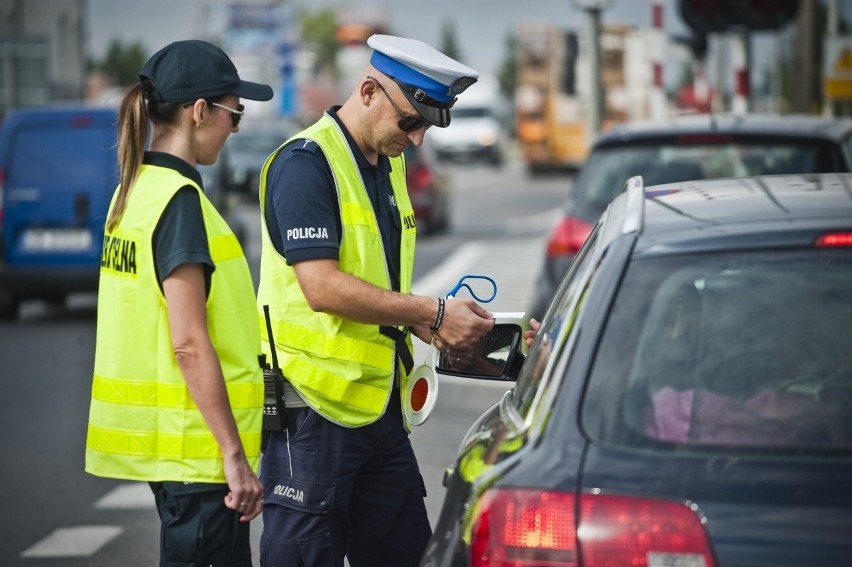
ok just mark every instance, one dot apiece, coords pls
pixel 274 418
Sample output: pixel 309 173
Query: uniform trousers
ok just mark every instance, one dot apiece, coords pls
pixel 197 529
pixel 332 491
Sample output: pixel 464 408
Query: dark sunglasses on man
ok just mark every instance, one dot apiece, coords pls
pixel 406 123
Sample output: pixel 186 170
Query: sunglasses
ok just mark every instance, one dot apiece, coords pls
pixel 236 114
pixel 406 123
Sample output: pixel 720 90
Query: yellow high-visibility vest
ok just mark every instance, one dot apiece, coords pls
pixel 143 423
pixel 342 368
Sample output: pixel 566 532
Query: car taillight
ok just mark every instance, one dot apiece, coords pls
pixel 532 528
pixel 568 237
pixel 834 240
pixel 421 176
pixel 524 528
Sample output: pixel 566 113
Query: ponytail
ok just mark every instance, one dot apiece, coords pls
pixel 132 134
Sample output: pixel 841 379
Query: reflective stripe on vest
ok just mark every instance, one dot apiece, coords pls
pixel 343 369
pixel 143 423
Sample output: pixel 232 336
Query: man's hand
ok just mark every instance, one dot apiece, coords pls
pixel 464 323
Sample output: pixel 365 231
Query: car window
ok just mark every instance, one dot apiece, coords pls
pixel 471 112
pixel 555 329
pixel 672 161
pixel 742 350
pixel 256 142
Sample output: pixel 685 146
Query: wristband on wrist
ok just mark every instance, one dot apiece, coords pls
pixel 440 318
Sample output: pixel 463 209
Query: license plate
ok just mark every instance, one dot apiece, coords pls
pixel 57 239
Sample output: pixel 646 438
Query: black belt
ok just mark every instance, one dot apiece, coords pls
pixel 398 337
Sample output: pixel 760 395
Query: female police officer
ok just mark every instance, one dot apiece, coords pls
pixel 177 389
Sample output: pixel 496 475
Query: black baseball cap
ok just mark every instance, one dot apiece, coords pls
pixel 187 70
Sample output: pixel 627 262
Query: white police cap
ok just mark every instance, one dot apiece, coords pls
pixel 429 79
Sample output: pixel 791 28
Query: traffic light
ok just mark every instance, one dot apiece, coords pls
pixel 696 43
pixel 767 14
pixel 705 16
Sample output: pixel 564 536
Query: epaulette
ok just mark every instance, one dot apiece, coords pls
pixel 305 145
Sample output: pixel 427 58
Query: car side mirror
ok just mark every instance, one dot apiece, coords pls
pixel 497 356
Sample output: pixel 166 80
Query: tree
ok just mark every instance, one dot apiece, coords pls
pixel 508 73
pixel 122 62
pixel 318 29
pixel 449 43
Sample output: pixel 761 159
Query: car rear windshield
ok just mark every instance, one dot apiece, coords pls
pixel 674 160
pixel 471 112
pixel 254 142
pixel 61 157
pixel 748 351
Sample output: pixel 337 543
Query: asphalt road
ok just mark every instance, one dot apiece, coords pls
pixel 55 514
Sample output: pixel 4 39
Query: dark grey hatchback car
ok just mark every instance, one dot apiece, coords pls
pixel 685 148
pixel 688 398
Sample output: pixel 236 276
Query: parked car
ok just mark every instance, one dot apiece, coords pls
pixel 476 131
pixel 218 187
pixel 58 171
pixel 683 149
pixel 428 188
pixel 688 397
pixel 248 150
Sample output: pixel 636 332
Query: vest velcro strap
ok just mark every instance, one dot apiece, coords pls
pixel 150 393
pixel 159 444
pixel 225 247
pixel 338 347
pixel 352 213
pixel 402 351
pixel 368 397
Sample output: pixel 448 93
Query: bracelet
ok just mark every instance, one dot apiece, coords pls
pixel 440 318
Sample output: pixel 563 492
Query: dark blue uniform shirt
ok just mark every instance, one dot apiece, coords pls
pixel 180 237
pixel 303 211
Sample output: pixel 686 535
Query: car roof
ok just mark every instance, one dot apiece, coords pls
pixel 58 109
pixel 763 124
pixel 745 212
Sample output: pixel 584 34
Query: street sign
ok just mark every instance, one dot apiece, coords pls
pixel 837 67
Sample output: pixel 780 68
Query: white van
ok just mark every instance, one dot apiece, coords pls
pixel 476 131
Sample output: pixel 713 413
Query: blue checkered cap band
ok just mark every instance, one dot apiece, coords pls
pixel 408 76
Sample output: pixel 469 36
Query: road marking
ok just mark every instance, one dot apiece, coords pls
pixel 130 496
pixel 79 541
pixel 532 224
pixel 444 276
pixel 84 541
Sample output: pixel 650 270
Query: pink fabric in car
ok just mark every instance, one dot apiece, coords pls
pixel 769 418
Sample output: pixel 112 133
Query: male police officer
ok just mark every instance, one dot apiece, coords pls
pixel 336 264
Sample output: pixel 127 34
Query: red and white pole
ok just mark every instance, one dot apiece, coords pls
pixel 658 105
pixel 739 60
